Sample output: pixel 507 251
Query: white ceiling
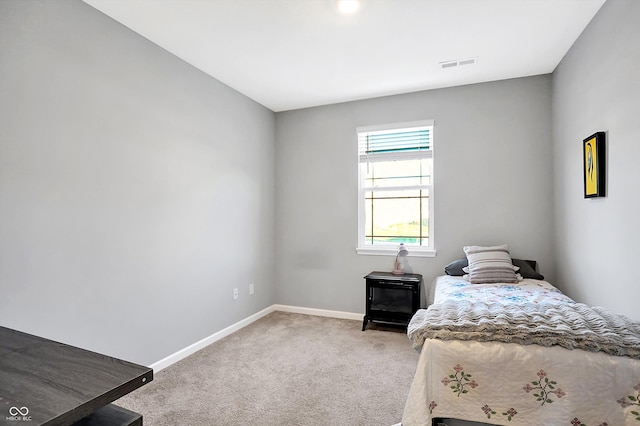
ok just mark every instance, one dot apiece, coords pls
pixel 289 54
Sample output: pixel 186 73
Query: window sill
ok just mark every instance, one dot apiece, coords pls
pixel 392 251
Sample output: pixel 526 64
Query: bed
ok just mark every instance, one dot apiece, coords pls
pixel 521 353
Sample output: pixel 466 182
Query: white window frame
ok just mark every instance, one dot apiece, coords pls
pixel 392 249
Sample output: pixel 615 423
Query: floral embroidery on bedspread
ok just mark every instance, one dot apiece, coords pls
pixel 509 414
pixel 459 382
pixel 577 422
pixel 630 400
pixel 546 386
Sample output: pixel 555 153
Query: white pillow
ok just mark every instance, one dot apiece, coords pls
pixel 490 265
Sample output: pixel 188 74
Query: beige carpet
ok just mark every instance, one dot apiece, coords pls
pixel 285 369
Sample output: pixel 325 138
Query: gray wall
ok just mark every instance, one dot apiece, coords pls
pixel 596 87
pixel 493 185
pixel 135 191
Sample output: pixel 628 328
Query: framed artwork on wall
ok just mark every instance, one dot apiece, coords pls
pixel 593 149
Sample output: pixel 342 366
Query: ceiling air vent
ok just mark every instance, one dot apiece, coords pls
pixel 469 61
pixel 449 64
pixel 458 63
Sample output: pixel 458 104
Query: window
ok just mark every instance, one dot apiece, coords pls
pixel 395 188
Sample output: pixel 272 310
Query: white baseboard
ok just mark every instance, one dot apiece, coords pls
pixel 185 352
pixel 319 312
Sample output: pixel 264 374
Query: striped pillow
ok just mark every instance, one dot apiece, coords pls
pixel 490 265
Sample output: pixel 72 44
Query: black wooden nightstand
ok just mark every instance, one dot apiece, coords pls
pixel 391 299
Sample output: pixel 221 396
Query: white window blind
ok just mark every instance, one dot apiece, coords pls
pixel 380 145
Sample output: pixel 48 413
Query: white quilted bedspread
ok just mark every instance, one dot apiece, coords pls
pixel 512 384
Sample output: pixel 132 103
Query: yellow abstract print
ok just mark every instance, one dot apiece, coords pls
pixel 591 167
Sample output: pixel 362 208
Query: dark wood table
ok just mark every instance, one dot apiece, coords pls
pixel 43 382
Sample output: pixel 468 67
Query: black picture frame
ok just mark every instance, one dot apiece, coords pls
pixel 594 165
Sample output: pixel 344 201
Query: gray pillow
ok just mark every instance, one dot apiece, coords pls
pixel 455 267
pixel 526 270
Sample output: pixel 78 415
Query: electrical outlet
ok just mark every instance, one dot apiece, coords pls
pixel 235 294
pixel 252 288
